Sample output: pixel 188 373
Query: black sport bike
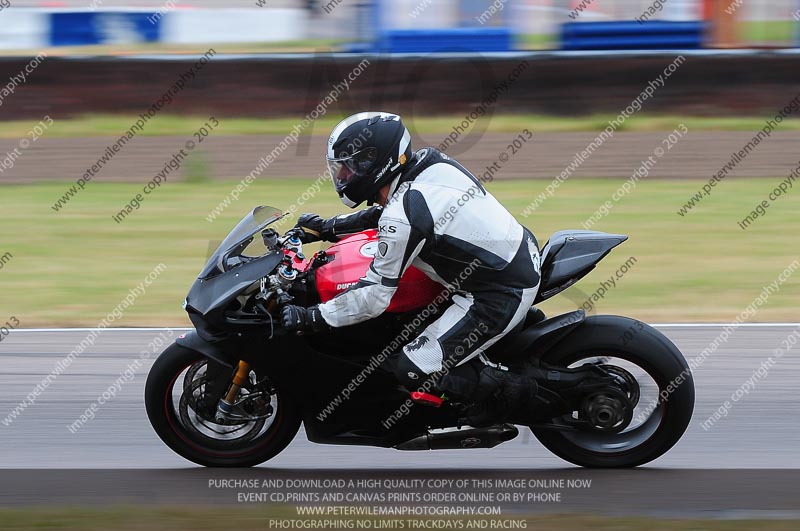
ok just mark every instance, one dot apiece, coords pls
pixel 613 391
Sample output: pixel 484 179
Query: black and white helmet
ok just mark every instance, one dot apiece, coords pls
pixel 366 151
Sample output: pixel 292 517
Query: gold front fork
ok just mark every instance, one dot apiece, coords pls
pixel 241 377
pixel 225 406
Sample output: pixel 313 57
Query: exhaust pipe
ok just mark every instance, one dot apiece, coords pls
pixel 456 439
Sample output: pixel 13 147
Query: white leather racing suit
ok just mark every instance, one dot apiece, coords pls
pixel 440 219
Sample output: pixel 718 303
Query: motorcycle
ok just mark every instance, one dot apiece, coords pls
pixel 613 391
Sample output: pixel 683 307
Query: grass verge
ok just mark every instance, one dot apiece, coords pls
pixel 73 267
pixel 172 125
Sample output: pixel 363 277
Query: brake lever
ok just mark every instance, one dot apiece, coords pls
pixel 293 232
pixel 283 298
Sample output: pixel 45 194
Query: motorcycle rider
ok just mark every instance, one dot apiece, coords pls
pixel 435 215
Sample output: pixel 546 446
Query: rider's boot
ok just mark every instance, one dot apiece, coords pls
pixel 490 395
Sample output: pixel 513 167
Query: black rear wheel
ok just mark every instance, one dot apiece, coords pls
pixel 185 418
pixel 636 421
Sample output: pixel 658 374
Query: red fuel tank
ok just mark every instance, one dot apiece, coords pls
pixel 351 259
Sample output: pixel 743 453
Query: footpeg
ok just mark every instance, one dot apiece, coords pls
pixel 426 399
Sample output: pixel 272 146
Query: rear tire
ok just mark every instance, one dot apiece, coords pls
pixel 650 350
pixel 168 425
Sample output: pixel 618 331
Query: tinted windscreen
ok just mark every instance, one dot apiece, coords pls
pixel 253 223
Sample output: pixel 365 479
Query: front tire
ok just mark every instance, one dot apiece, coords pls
pixel 647 348
pixel 170 421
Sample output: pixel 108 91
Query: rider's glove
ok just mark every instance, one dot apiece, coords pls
pixel 315 228
pixel 312 227
pixel 299 319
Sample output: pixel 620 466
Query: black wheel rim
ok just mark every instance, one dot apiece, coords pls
pixel 194 425
pixel 647 416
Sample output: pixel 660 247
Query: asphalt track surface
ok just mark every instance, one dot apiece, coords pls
pixel 703 474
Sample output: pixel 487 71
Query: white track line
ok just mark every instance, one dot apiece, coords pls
pixel 104 330
pixel 713 325
pixel 657 325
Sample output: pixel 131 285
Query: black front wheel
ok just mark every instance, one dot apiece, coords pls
pixel 184 415
pixel 642 416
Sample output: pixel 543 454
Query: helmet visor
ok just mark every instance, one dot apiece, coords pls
pixel 344 169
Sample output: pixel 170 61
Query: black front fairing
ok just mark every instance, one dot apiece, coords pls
pixel 238 263
pixel 209 298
